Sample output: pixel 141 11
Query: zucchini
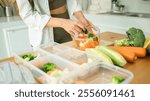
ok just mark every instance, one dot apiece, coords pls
pixel 116 57
pixel 98 53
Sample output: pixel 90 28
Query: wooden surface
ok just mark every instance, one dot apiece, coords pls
pixel 140 69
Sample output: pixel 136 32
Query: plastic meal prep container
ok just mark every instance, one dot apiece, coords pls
pixel 68 69
pixel 87 64
pixel 92 70
pixel 79 66
pixel 104 74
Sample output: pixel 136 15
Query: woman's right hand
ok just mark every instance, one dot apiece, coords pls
pixel 73 27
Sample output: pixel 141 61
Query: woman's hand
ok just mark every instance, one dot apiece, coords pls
pixel 88 25
pixel 81 18
pixel 73 27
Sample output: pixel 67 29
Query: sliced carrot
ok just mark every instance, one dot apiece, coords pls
pixel 128 55
pixel 139 51
pixel 96 43
pixel 82 48
pixel 83 37
pixel 75 44
pixel 88 45
pixel 92 44
pixel 80 62
pixel 80 82
pixel 50 72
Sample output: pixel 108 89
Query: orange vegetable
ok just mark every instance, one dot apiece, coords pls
pixel 50 72
pixel 82 48
pixel 80 62
pixel 96 43
pixel 128 55
pixel 80 82
pixel 75 44
pixel 139 51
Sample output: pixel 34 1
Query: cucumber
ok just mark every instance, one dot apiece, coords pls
pixel 116 57
pixel 98 53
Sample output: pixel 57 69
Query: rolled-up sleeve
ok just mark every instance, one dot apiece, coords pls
pixel 73 6
pixel 32 17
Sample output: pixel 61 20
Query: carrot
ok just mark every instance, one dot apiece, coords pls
pixel 128 55
pixel 80 62
pixel 139 51
pixel 50 72
pixel 82 48
pixel 96 43
pixel 75 44
pixel 80 82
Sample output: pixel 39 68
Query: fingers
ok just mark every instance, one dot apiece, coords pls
pixel 81 25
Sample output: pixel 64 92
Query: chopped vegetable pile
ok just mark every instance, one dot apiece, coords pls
pixel 117 79
pixel 48 67
pixel 29 57
pixel 86 40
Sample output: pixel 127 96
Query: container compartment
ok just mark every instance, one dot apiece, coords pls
pixel 105 73
pixel 53 47
pixel 67 70
pixel 86 63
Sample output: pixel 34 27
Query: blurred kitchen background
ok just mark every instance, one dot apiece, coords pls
pixel 108 15
pixel 138 6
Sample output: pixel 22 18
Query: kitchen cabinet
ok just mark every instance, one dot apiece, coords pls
pixel 13 36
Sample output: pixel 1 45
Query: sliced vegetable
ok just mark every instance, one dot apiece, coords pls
pixel 85 31
pixel 127 54
pixel 116 57
pixel 117 79
pixel 48 67
pixel 100 54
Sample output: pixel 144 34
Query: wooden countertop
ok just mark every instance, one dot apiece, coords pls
pixel 140 69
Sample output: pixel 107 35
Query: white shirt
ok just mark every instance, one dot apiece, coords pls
pixel 36 20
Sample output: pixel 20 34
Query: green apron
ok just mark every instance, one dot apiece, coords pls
pixel 60 35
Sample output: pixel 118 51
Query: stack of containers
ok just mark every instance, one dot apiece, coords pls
pixel 80 66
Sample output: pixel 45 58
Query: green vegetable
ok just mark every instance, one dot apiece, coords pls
pixel 90 35
pixel 85 31
pixel 117 58
pixel 100 54
pixel 117 79
pixel 137 36
pixel 95 38
pixel 56 73
pixel 124 42
pixel 48 67
pixel 29 57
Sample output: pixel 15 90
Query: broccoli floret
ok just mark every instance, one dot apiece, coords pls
pixel 137 36
pixel 117 79
pixel 48 67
